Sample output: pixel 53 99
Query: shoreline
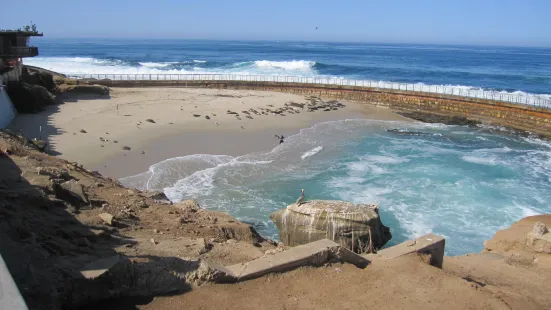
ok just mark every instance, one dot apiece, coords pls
pixel 179 125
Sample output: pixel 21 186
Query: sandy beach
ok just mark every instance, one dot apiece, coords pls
pixel 160 123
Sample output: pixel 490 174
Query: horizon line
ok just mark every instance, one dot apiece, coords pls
pixel 374 42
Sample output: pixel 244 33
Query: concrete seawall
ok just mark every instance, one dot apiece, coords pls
pixel 517 116
pixel 7 111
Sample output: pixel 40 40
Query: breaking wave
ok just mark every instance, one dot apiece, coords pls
pixel 300 65
pixel 295 68
pixel 312 152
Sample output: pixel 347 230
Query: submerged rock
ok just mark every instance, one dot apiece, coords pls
pixel 354 226
pixel 438 118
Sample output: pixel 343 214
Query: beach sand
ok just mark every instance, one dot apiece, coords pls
pixel 121 120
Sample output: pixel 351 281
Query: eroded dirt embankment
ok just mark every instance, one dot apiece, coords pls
pixel 61 223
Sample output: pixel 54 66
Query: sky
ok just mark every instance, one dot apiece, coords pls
pixel 481 22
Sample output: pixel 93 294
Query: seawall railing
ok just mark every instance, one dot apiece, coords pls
pixel 518 98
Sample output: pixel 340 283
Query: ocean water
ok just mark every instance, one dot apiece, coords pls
pixel 505 69
pixel 462 183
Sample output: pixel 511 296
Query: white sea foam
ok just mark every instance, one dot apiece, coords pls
pixel 312 152
pixel 526 211
pixel 500 150
pixel 156 64
pixel 293 70
pixel 301 65
pixel 363 167
pixel 489 161
pixel 380 159
pixel 201 182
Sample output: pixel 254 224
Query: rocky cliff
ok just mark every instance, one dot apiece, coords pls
pixel 70 237
pixel 39 88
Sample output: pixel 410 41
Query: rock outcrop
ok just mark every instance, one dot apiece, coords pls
pixel 357 227
pixel 527 236
pixel 438 118
pixel 38 77
pixel 71 238
pixel 513 265
pixel 98 90
pixel 539 239
pixel 28 98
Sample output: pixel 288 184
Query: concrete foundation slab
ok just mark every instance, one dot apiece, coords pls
pixel 427 244
pixel 311 254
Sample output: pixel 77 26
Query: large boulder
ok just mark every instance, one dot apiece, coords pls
pixel 539 239
pixel 71 192
pixel 36 77
pixel 28 98
pixel 354 226
pixel 98 90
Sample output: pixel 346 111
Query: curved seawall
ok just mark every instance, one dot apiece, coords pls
pixel 518 116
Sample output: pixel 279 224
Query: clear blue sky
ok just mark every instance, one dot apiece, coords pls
pixel 488 22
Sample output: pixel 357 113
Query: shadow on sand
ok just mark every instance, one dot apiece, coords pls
pixel 41 126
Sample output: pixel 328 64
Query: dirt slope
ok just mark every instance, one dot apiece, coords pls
pixel 56 218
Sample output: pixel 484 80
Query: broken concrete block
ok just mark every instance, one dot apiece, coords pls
pixel 107 218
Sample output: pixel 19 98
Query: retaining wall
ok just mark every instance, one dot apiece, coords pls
pixel 7 111
pixel 517 116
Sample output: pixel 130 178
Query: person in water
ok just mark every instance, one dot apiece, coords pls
pixel 281 138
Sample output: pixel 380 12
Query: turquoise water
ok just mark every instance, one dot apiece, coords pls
pixel 462 183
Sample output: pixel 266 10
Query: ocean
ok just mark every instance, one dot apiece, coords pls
pixel 462 183
pixel 509 69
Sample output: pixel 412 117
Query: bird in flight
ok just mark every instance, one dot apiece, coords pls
pixel 316 28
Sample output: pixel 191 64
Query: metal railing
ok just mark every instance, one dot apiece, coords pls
pixel 518 98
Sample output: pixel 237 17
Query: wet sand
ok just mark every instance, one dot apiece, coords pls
pixel 175 131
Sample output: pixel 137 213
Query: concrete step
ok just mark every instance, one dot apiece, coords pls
pixel 312 254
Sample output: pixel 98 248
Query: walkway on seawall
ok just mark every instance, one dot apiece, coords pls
pixel 521 112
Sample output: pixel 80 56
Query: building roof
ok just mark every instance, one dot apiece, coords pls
pixel 20 33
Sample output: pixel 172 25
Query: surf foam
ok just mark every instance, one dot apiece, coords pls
pixel 293 70
pixel 312 152
pixel 301 65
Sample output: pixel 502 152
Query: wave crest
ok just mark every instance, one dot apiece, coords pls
pixel 301 65
pixel 312 152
